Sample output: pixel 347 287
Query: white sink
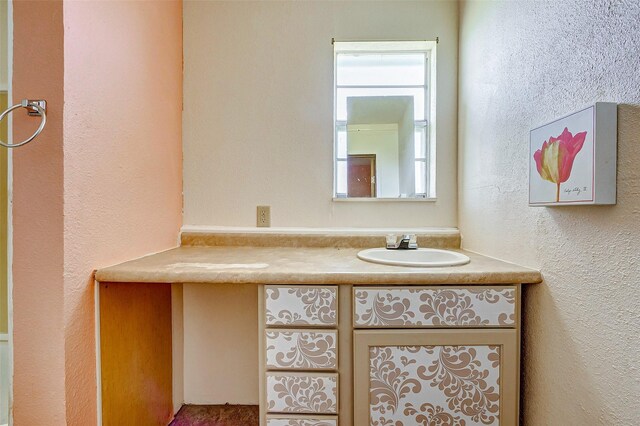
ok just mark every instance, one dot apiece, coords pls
pixel 424 257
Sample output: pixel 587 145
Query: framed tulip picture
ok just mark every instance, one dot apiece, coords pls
pixel 572 160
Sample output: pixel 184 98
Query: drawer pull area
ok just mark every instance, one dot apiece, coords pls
pixel 301 349
pixel 304 393
pixel 301 306
pixel 425 307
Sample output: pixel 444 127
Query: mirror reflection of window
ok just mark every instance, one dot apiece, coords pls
pixel 382 110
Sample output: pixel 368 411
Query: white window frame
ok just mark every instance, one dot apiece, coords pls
pixel 393 47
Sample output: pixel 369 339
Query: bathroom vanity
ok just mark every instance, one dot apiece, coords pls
pixel 340 341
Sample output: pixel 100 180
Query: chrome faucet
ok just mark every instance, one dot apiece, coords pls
pixel 405 242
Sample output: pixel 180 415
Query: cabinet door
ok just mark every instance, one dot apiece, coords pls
pixel 425 377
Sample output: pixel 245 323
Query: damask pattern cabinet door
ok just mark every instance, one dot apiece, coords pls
pixel 427 377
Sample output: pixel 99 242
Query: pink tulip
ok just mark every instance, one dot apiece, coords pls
pixel 555 159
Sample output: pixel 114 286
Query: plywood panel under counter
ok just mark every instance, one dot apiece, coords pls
pixel 135 351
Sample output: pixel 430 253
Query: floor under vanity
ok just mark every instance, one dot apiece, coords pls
pixel 217 415
pixel 313 336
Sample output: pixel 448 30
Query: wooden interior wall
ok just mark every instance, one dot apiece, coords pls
pixel 135 349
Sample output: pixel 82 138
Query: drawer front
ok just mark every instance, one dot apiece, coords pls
pixel 434 307
pixel 301 349
pixel 302 421
pixel 303 393
pixel 301 305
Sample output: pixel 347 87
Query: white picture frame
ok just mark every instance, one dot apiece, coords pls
pixel 572 160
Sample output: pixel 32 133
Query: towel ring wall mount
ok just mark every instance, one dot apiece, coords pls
pixel 34 107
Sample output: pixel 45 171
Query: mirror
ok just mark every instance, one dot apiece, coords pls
pixel 381 127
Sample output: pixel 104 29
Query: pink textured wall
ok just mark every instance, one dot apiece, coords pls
pixel 38 292
pixel 101 185
pixel 122 158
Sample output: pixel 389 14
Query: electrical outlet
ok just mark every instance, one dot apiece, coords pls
pixel 264 216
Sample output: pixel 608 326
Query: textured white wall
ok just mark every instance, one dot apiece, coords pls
pixel 258 109
pixel 522 64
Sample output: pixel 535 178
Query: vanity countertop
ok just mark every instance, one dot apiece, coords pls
pixel 303 265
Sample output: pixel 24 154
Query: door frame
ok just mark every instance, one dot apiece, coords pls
pixel 9 230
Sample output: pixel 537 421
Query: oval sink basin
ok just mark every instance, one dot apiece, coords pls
pixel 424 257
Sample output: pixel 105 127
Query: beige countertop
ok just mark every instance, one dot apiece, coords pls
pixel 302 265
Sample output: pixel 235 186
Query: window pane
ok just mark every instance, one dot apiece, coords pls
pixel 420 142
pixel 421 177
pixel 343 93
pixel 341 177
pixel 341 150
pixel 380 69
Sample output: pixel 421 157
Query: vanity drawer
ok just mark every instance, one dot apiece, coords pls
pixel 303 393
pixel 423 307
pixel 301 305
pixel 302 421
pixel 301 349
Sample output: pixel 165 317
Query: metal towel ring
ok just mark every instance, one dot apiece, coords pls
pixel 35 107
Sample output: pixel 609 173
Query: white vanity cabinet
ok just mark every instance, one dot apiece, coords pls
pixel 390 355
pixel 340 342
